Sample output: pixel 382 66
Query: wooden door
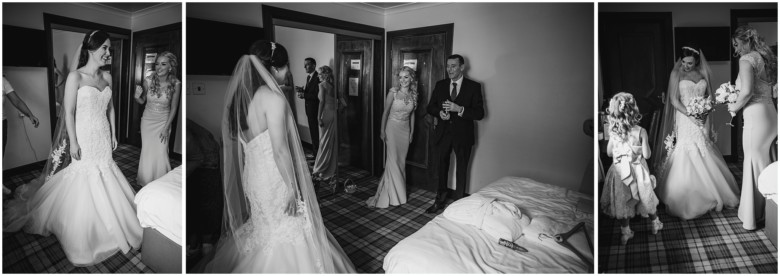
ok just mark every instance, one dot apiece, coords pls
pixel 152 42
pixel 355 84
pixel 425 50
pixel 637 57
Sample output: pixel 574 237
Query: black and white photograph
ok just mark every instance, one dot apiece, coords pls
pixel 687 137
pixel 390 137
pixel 92 138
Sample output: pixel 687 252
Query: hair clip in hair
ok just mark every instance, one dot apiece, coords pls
pixel 691 49
pixel 273 47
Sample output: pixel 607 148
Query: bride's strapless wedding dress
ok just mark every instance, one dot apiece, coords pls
pixel 274 242
pixel 89 204
pixel 696 178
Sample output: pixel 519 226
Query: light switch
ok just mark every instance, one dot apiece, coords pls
pixel 199 88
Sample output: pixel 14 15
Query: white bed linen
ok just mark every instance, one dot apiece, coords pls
pixel 443 246
pixel 158 205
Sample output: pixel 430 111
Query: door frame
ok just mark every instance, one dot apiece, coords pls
pixel 125 132
pixel 273 16
pixel 448 31
pixel 51 22
pixel 736 14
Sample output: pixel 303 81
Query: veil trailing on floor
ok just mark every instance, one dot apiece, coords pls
pixel 16 211
pixel 249 76
pixel 668 121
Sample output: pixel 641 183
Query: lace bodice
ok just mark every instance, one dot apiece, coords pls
pixel 690 136
pixel 93 131
pixel 762 89
pixel 690 89
pixel 267 194
pixel 159 101
pixel 402 108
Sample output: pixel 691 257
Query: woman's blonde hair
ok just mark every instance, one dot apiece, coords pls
pixel 622 114
pixel 326 72
pixel 154 87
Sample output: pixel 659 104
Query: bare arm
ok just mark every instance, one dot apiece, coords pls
pixel 610 145
pixel 411 128
pixel 174 105
pixel 19 104
pixel 71 92
pixel 646 152
pixel 321 96
pixel 141 97
pixel 276 115
pixel 111 113
pixel 746 85
pixel 388 103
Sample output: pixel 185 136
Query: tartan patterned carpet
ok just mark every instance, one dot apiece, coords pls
pixel 26 253
pixel 365 234
pixel 713 243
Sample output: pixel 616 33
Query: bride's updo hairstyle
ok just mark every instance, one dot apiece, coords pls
pixel 688 51
pixel 749 36
pixel 92 41
pixel 622 114
pixel 270 54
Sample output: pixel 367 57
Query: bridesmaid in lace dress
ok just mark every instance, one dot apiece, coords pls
pixel 162 99
pixel 757 75
pixel 397 132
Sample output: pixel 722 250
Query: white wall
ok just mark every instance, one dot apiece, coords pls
pixel 301 44
pixel 702 15
pixel 535 62
pixel 27 144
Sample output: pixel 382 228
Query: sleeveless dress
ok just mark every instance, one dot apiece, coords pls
pixel 89 204
pixel 154 162
pixel 760 129
pixel 628 185
pixel 274 241
pixel 696 178
pixel 327 155
pixel 392 186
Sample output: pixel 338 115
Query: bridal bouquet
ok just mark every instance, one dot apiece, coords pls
pixel 727 94
pixel 698 108
pixel 669 143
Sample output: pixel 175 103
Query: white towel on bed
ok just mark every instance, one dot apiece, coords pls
pixel 499 219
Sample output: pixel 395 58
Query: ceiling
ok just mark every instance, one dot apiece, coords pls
pixel 386 5
pixel 130 7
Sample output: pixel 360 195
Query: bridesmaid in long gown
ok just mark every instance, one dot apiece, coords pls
pixel 757 75
pixel 397 132
pixel 327 156
pixel 162 99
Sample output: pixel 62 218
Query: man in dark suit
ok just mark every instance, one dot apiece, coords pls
pixel 310 92
pixel 457 102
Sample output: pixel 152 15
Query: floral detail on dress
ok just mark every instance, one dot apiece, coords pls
pixel 56 156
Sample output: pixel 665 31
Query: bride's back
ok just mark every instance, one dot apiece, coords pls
pixel 262 101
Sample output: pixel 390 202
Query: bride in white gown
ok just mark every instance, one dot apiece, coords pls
pixel 694 177
pixel 272 219
pixel 86 203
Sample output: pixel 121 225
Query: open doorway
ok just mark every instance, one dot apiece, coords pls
pixel 338 45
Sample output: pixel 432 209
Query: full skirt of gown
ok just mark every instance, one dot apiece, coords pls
pixel 154 162
pixel 760 129
pixel 270 240
pixel 327 155
pixel 88 205
pixel 392 186
pixel 696 178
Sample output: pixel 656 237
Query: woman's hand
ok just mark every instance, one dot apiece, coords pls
pixel 114 143
pixel 382 136
pixel 75 151
pixel 322 124
pixel 164 135
pixel 292 206
pixel 138 91
pixel 411 137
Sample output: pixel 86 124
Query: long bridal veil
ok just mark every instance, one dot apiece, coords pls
pixel 668 121
pixel 16 211
pixel 248 75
